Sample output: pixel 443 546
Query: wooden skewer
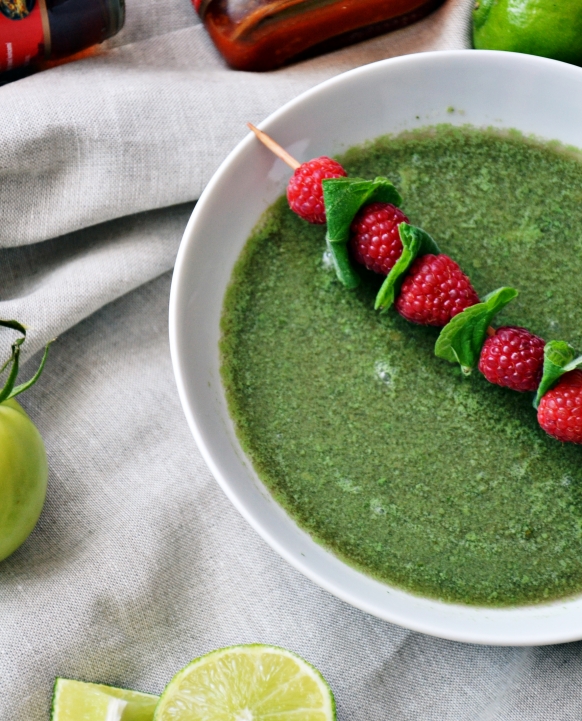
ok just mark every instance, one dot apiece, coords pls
pixel 274 147
pixel 292 163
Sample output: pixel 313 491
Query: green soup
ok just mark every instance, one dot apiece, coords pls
pixel 439 484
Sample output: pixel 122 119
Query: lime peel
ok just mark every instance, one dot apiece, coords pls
pixel 79 701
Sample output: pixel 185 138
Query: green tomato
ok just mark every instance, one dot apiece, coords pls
pixel 23 476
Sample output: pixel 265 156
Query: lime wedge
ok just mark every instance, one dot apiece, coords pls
pixel 78 701
pixel 247 683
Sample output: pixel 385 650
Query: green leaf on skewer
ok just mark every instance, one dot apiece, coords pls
pixel 415 242
pixel 343 197
pixel 461 340
pixel 559 358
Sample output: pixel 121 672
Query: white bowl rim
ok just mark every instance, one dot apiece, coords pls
pixel 179 281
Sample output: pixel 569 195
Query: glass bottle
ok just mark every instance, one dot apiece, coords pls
pixel 32 30
pixel 265 34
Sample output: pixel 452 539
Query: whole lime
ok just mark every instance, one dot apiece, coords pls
pixel 551 28
pixel 23 476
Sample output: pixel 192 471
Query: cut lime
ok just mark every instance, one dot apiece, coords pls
pixel 247 683
pixel 78 701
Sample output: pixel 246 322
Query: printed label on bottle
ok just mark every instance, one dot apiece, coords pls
pixel 21 32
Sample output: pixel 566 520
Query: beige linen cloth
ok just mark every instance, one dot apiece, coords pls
pixel 139 563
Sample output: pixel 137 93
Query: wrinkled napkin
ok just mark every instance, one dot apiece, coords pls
pixel 139 563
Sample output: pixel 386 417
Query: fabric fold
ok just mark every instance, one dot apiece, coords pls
pixel 145 125
pixel 51 286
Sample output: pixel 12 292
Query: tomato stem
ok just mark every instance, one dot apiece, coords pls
pixel 25 386
pixel 10 390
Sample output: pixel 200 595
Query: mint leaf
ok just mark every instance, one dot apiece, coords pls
pixel 343 197
pixel 461 340
pixel 415 242
pixel 559 358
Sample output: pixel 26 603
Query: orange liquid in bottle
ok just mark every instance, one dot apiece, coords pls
pixel 265 34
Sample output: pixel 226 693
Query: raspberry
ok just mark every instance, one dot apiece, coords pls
pixel 304 192
pixel 560 409
pixel 513 358
pixel 375 241
pixel 435 290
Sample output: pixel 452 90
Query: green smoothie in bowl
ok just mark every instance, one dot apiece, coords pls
pixel 436 483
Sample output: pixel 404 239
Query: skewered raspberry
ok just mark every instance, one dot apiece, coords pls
pixel 435 290
pixel 305 193
pixel 375 241
pixel 513 358
pixel 560 409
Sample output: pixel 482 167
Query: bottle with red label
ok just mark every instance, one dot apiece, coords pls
pixel 36 30
pixel 265 34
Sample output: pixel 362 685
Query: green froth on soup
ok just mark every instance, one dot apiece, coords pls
pixel 436 483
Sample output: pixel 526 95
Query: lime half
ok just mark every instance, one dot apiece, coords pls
pixel 78 701
pixel 247 683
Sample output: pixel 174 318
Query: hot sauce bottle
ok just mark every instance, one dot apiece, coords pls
pixel 265 34
pixel 35 30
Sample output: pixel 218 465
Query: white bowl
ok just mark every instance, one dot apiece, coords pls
pixel 535 95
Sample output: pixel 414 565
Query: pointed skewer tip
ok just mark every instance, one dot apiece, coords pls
pixel 274 147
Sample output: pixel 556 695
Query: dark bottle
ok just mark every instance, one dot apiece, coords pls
pixel 265 34
pixel 32 30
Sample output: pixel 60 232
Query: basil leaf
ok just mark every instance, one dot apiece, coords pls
pixel 461 340
pixel 415 242
pixel 343 197
pixel 343 265
pixel 559 358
